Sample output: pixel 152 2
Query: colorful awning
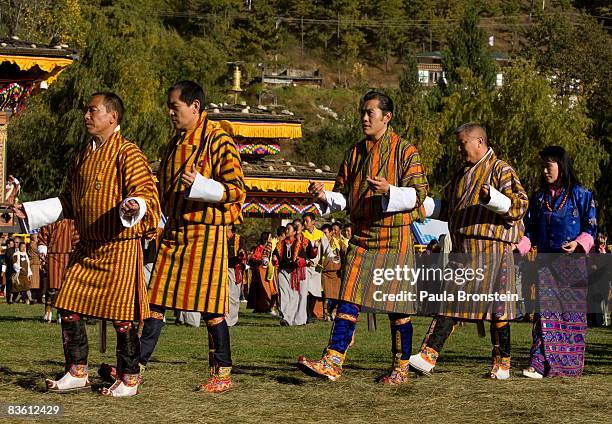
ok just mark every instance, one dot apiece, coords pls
pixel 263 129
pixel 52 65
pixel 281 185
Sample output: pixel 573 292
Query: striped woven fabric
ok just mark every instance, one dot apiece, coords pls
pixel 60 239
pixel 465 216
pixel 380 240
pixel 496 260
pixel 104 277
pixel 190 272
pixel 483 235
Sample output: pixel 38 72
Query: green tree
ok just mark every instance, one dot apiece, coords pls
pixel 467 48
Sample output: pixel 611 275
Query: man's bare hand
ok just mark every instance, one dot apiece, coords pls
pixel 130 208
pixel 317 190
pixel 188 177
pixel 485 194
pixel 378 185
pixel 19 211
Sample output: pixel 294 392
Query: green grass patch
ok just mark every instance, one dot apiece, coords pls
pixel 269 388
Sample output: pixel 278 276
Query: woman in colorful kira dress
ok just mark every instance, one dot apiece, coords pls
pixel 561 220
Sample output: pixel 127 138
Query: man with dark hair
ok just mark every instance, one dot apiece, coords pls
pixel 112 198
pixel 382 184
pixel 202 190
pixel 189 92
pixel 484 204
pixel 112 102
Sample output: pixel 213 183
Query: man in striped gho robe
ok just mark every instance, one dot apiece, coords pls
pixel 484 205
pixel 111 195
pixel 202 191
pixel 382 184
pixel 55 244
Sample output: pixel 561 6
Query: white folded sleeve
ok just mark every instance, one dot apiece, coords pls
pixel 498 203
pixel 130 221
pixel 17 267
pixel 432 207
pixel 205 190
pixel 42 249
pixel 400 199
pixel 335 202
pixel 3 268
pixel 43 212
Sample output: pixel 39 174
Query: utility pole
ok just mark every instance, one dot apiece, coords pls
pixel 302 28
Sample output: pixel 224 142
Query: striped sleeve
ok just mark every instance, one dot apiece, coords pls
pixel 510 186
pixel 138 182
pixel 43 236
pixel 413 175
pixel 340 185
pixel 227 168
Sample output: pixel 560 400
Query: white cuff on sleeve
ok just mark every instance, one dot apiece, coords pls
pixel 498 203
pixel 335 203
pixel 3 268
pixel 400 199
pixel 432 207
pixel 205 190
pixel 43 212
pixel 42 249
pixel 130 221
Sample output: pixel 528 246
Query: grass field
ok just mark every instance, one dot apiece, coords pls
pixel 269 388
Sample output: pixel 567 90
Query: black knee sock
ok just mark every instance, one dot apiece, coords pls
pixel 151 331
pixel 500 338
pixel 128 348
pixel 74 338
pixel 218 341
pixel 442 329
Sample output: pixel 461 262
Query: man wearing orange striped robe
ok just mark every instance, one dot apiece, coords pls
pixel 113 200
pixel 484 205
pixel 202 191
pixel 55 244
pixel 382 183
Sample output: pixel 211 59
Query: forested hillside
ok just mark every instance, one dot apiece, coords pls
pixel 557 89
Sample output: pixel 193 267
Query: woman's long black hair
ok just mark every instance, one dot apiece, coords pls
pixel 566 167
pixel 263 238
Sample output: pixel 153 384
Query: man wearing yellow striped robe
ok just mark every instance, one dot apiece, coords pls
pixel 202 192
pixel 484 205
pixel 112 197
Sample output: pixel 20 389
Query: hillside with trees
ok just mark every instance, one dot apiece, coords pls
pixel 557 88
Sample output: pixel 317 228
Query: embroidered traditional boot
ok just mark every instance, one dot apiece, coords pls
pixel 500 368
pixel 399 372
pixel 220 380
pixel 424 361
pixel 75 379
pixel 126 386
pixel 330 365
